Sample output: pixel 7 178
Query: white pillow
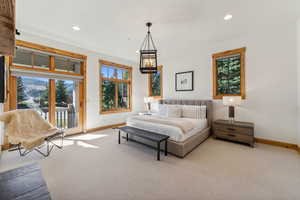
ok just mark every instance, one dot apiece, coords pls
pixel 174 111
pixel 190 112
pixel 203 112
pixel 162 109
pixel 194 112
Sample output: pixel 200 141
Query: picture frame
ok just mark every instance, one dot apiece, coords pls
pixel 228 69
pixel 184 81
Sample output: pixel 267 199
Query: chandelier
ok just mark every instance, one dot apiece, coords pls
pixel 148 54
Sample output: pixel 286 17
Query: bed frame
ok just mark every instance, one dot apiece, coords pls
pixel 181 149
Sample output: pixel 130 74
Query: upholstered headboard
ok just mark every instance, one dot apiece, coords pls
pixel 208 104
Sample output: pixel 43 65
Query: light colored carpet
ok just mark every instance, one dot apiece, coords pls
pixel 94 166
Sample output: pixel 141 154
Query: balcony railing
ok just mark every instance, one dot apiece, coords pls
pixel 65 117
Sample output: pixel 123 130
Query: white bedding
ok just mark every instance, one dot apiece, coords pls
pixel 175 133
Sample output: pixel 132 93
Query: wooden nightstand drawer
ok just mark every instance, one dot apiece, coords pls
pixel 233 129
pixel 234 136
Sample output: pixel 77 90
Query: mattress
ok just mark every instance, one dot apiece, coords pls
pixel 175 133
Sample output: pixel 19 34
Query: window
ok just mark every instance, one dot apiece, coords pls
pixel 115 88
pixel 229 73
pixel 30 58
pixel 155 83
pixel 33 58
pixel 51 82
pixel 67 64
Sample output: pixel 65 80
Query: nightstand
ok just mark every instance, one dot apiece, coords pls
pixel 234 131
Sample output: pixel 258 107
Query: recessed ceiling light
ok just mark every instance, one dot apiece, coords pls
pixel 137 51
pixel 228 17
pixel 76 28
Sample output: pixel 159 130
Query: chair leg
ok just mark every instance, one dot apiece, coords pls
pixel 25 152
pixel 37 149
pixel 49 149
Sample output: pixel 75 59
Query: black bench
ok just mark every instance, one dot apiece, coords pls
pixel 148 135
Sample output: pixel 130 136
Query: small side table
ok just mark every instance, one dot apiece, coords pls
pixel 234 131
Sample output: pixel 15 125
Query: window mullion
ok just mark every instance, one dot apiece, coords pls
pixel 32 60
pixel 116 95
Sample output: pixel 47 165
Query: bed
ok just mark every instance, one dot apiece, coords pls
pixel 180 142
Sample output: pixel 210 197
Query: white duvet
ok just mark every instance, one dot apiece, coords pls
pixel 174 132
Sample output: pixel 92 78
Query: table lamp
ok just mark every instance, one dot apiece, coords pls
pixel 231 102
pixel 148 101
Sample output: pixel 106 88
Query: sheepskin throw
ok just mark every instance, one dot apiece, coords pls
pixel 7 27
pixel 26 127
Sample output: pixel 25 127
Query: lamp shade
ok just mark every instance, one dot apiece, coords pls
pixel 232 100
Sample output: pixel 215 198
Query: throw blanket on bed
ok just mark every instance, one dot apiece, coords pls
pixel 184 124
pixel 26 127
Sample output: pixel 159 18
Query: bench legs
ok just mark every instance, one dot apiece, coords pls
pixel 166 147
pixel 158 150
pixel 119 137
pixel 158 145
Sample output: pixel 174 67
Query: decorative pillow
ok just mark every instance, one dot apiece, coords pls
pixel 190 111
pixel 174 111
pixel 194 112
pixel 203 112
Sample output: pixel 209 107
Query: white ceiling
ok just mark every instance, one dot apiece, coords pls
pixel 117 27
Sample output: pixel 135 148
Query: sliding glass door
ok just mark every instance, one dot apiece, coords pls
pixel 34 93
pixel 67 104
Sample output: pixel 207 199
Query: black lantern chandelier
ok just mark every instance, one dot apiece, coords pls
pixel 148 54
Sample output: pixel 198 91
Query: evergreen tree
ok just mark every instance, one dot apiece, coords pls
pixel 45 98
pixel 21 96
pixel 108 95
pixel 156 83
pixel 61 93
pixel 21 90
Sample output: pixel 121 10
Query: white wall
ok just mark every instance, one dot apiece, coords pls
pixel 271 79
pixel 94 119
pixel 298 68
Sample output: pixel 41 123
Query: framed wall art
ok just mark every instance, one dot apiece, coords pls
pixel 184 81
pixel 229 73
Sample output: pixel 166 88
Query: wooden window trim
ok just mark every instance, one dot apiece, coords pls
pixel 12 102
pixel 129 82
pixel 104 62
pixel 46 49
pixel 29 69
pixel 159 68
pixel 39 47
pixel 242 52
